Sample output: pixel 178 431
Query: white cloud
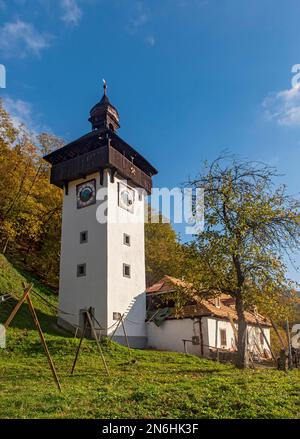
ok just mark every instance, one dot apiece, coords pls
pixel 22 114
pixel 71 12
pixel 151 41
pixel 20 111
pixel 138 23
pixel 19 39
pixel 284 107
pixel 139 18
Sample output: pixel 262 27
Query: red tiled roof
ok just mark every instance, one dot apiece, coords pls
pixel 208 308
pixel 166 285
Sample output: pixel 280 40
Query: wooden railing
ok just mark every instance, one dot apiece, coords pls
pixel 93 161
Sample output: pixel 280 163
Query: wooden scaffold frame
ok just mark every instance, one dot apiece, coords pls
pixel 26 297
pixel 88 321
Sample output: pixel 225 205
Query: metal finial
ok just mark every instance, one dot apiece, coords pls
pixel 104 86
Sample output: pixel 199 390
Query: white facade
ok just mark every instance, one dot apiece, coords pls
pixel 169 336
pixel 104 286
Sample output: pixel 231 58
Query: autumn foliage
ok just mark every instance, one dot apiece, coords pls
pixel 30 208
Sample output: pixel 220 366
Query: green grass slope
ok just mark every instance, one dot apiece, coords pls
pixel 157 384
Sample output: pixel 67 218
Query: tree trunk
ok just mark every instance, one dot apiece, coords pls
pixel 242 354
pixel 5 246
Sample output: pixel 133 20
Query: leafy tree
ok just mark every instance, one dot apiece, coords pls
pixel 251 226
pixel 164 253
pixel 30 208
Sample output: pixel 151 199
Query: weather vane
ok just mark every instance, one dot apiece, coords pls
pixel 104 86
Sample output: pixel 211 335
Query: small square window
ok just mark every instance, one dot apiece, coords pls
pixel 126 239
pixel 81 270
pixel 126 270
pixel 83 237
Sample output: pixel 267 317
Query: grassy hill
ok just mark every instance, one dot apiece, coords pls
pixel 158 384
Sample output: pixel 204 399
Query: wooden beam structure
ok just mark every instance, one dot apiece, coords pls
pixel 26 297
pixel 121 322
pixel 89 322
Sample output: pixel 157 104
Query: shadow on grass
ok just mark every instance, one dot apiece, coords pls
pixel 24 320
pixel 30 277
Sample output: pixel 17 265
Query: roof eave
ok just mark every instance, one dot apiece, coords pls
pixel 50 157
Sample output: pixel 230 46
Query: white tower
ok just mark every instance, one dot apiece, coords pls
pixel 102 265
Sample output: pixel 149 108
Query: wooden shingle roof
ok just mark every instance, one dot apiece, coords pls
pixel 224 308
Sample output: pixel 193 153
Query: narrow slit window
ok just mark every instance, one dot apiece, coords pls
pixel 126 270
pixel 81 270
pixel 126 239
pixel 83 237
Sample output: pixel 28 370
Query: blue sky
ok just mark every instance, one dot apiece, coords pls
pixel 190 78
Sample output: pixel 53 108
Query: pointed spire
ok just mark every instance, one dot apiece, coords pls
pixel 104 115
pixel 104 99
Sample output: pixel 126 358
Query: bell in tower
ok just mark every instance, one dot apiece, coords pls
pixel 104 115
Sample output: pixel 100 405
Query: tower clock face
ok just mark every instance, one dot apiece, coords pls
pixel 126 197
pixel 86 194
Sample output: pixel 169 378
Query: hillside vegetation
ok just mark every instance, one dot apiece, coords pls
pixel 157 384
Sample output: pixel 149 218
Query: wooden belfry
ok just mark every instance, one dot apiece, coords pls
pixel 26 297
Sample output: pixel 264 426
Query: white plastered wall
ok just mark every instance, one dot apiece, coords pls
pixel 169 336
pixel 215 325
pixel 77 293
pixel 126 295
pixel 104 287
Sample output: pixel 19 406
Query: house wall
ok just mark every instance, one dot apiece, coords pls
pixel 215 325
pixel 254 335
pixel 169 335
pixel 214 338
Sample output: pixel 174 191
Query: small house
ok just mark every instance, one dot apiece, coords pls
pixel 205 327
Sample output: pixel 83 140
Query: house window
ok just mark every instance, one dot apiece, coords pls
pixel 83 237
pixel 81 270
pixel 223 338
pixel 126 239
pixel 126 270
